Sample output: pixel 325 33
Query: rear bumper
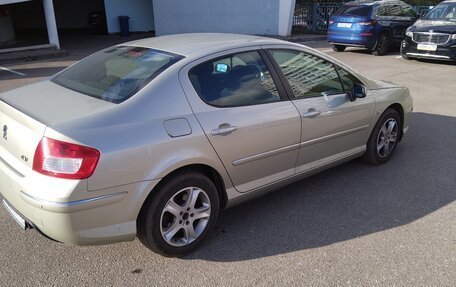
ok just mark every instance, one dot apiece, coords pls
pixel 445 52
pixel 99 217
pixel 365 39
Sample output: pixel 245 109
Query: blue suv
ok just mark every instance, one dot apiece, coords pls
pixel 375 25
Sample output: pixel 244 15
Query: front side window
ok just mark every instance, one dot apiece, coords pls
pixel 240 79
pixel 348 80
pixel 116 74
pixel 308 75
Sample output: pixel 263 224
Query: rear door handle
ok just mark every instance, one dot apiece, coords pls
pixel 223 130
pixel 311 113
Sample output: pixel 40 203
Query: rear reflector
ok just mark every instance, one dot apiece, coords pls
pixel 65 160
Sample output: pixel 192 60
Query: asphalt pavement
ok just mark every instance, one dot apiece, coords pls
pixel 353 225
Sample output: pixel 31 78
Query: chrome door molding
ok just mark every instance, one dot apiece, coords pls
pixel 266 154
pixel 330 159
pixel 333 136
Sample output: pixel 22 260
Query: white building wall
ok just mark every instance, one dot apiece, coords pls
pixel 141 14
pixel 261 17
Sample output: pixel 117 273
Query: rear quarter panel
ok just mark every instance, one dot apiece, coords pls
pixel 133 141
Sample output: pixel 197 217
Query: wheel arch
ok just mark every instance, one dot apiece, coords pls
pixel 204 169
pixel 400 110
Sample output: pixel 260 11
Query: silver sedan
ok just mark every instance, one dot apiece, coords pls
pixel 152 138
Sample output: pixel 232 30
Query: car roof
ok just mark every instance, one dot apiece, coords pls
pixel 372 2
pixel 191 43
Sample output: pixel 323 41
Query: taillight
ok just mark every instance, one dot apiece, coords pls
pixel 368 23
pixel 65 160
pixel 331 21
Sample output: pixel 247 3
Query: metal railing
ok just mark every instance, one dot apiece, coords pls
pixel 313 17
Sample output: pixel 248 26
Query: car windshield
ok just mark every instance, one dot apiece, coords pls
pixel 117 73
pixel 353 10
pixel 444 11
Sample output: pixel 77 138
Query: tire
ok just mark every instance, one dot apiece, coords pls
pixel 384 138
pixel 339 48
pixel 382 46
pixel 180 215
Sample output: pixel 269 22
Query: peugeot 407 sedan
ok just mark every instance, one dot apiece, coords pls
pixel 152 138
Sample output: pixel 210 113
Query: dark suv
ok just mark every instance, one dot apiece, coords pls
pixel 374 25
pixel 433 36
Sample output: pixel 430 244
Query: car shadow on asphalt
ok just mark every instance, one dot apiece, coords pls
pixel 346 202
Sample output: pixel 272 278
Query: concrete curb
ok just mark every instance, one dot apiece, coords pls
pixel 31 55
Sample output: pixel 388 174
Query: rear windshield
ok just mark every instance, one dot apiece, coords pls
pixel 353 10
pixel 444 11
pixel 116 74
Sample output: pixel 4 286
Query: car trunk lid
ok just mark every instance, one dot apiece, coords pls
pixel 26 112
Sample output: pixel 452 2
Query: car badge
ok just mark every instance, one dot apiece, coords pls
pixel 5 132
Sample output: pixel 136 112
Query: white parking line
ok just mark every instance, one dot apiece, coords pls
pixel 398 57
pixel 326 51
pixel 12 71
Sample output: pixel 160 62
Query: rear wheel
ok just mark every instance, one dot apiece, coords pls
pixel 339 48
pixel 382 46
pixel 384 138
pixel 180 215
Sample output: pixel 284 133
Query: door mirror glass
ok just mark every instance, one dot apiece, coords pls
pixel 359 91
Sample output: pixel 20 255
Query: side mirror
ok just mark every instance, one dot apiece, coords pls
pixel 358 92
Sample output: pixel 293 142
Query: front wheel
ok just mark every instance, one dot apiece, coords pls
pixel 384 138
pixel 180 215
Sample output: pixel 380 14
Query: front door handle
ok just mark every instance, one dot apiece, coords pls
pixel 223 130
pixel 311 113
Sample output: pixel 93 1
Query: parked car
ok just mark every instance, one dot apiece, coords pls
pixel 153 137
pixel 375 25
pixel 433 36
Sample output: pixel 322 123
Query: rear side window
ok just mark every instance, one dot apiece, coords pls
pixel 353 10
pixel 240 79
pixel 116 74
pixel 395 10
pixel 381 11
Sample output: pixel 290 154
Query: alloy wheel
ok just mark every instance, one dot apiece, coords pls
pixel 387 138
pixel 185 216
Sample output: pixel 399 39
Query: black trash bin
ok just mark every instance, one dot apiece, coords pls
pixel 124 28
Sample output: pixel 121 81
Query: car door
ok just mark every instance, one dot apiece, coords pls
pixel 333 126
pixel 246 116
